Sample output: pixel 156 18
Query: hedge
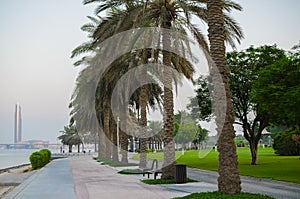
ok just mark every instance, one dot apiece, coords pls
pixel 40 158
pixel 284 143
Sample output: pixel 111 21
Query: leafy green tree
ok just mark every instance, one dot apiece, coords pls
pixel 201 105
pixel 187 130
pixel 245 67
pixel 201 136
pixel 186 133
pixel 277 90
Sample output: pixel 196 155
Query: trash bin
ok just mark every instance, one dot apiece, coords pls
pixel 180 173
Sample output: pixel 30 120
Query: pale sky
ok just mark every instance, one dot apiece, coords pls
pixel 37 37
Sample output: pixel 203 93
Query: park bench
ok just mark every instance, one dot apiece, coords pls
pixel 153 167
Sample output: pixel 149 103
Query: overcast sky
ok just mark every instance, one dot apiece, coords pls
pixel 37 37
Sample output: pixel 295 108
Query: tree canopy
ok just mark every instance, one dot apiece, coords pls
pixel 277 90
pixel 246 67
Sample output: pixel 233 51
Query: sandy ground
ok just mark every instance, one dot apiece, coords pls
pixel 12 178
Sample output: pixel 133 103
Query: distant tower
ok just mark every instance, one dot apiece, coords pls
pixel 18 124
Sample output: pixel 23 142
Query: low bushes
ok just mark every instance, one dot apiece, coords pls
pixel 40 158
pixel 284 144
pixel 218 195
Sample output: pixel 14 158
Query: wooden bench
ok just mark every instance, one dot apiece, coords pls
pixel 153 167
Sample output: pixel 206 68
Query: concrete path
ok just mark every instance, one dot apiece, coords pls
pixel 54 181
pixel 277 189
pixel 83 178
pixel 93 180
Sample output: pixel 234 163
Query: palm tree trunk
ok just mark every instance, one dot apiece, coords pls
pixel 132 143
pixel 123 136
pixel 102 144
pixel 229 178
pixel 115 155
pixel 143 141
pixel 124 147
pixel 168 170
pixel 95 144
pixel 143 102
pixel 108 144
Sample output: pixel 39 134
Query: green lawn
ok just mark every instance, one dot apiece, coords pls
pixel 270 165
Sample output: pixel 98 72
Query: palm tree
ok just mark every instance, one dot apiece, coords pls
pixel 83 111
pixel 229 178
pixel 166 14
pixel 83 98
pixel 70 137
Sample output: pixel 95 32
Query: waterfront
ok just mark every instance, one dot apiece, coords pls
pixel 15 157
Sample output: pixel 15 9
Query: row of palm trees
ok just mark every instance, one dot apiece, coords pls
pixel 144 44
pixel 70 137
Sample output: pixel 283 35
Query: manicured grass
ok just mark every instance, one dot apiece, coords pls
pixel 218 195
pixel 161 181
pixel 131 171
pixel 270 165
pixel 114 164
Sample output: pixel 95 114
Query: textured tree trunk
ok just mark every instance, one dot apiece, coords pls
pixel 132 143
pixel 124 147
pixel 153 143
pixel 123 135
pixel 115 155
pixel 229 178
pixel 108 144
pixel 168 170
pixel 143 102
pixel 70 148
pixel 252 138
pixel 253 149
pixel 102 144
pixel 95 144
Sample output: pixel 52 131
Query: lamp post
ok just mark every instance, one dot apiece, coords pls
pixel 118 136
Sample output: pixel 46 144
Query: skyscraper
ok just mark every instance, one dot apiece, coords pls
pixel 18 124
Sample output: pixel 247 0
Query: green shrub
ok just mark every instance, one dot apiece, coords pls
pixel 149 150
pixel 40 158
pixel 46 155
pixel 36 160
pixel 162 181
pixel 219 195
pixel 131 171
pixel 284 144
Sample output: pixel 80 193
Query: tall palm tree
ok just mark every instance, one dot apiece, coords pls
pixel 166 14
pixel 229 178
pixel 82 108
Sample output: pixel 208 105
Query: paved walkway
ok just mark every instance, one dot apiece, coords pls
pixel 277 189
pixel 53 181
pixel 83 178
pixel 93 180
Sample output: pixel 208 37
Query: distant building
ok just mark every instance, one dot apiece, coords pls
pixel 18 124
